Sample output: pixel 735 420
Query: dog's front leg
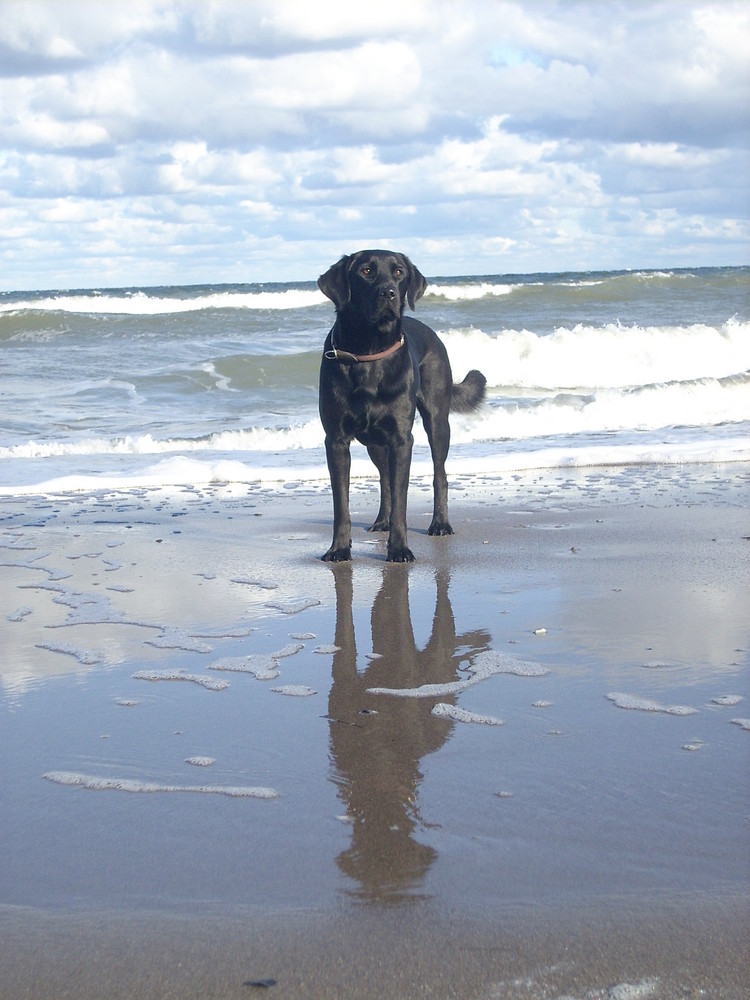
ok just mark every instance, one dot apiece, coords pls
pixel 379 454
pixel 399 465
pixel 339 465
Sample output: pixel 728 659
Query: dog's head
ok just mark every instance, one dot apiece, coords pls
pixel 375 283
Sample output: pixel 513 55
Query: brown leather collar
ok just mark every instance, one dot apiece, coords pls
pixel 335 355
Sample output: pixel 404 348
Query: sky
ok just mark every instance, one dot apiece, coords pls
pixel 151 142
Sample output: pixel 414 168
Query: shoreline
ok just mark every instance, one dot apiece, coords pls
pixel 577 846
pixel 684 947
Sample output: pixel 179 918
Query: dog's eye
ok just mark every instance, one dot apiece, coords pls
pixel 398 272
pixel 366 270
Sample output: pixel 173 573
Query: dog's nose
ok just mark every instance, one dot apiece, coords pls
pixel 389 292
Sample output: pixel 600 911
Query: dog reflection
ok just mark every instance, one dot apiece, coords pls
pixel 378 742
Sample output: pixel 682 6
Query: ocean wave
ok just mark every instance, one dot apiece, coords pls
pixel 141 303
pixel 255 439
pixel 608 356
pixel 470 291
pixel 705 402
pixel 150 303
pixel 541 288
pixel 179 472
pixel 699 403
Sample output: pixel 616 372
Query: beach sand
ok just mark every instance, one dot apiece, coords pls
pixel 572 823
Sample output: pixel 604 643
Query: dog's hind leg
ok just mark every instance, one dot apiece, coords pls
pixel 379 455
pixel 439 435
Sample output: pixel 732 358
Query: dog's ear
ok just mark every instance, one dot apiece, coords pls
pixel 417 283
pixel 335 283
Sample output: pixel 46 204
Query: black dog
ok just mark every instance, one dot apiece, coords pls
pixel 377 368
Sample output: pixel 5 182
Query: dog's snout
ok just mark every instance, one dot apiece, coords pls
pixel 389 292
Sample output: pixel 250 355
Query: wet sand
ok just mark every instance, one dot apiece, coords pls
pixel 278 795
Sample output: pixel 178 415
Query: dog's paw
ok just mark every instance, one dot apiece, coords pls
pixel 380 526
pixel 337 555
pixel 440 528
pixel 402 554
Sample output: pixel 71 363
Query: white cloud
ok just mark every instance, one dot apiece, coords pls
pixel 328 20
pixel 42 130
pixel 663 155
pixel 157 138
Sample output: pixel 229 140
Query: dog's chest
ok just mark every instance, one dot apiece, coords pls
pixel 370 405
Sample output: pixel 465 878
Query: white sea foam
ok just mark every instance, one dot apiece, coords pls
pixel 608 356
pixel 742 723
pixel 486 456
pixel 176 638
pixel 250 582
pixel 261 666
pixel 708 401
pixel 99 783
pixel 620 991
pixel 471 291
pixel 293 606
pixel 88 657
pixel 305 435
pixel 727 699
pixel 633 991
pixel 446 711
pixel 490 661
pixel 236 632
pixel 149 304
pixel 631 701
pixel 295 690
pixel 485 664
pixel 180 675
pixel 19 614
pixel 291 649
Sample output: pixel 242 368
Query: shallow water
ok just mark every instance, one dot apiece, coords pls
pixel 542 607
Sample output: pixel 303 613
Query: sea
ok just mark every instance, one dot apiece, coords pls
pixel 112 388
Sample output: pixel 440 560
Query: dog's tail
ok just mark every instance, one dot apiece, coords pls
pixel 469 394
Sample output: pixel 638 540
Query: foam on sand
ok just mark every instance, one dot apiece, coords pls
pixel 445 711
pixel 727 699
pixel 99 784
pixel 292 606
pixel 631 701
pixel 262 667
pixel 177 638
pixel 633 991
pixel 291 649
pixel 295 690
pixel 87 657
pixel 485 664
pixel 621 991
pixel 180 675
